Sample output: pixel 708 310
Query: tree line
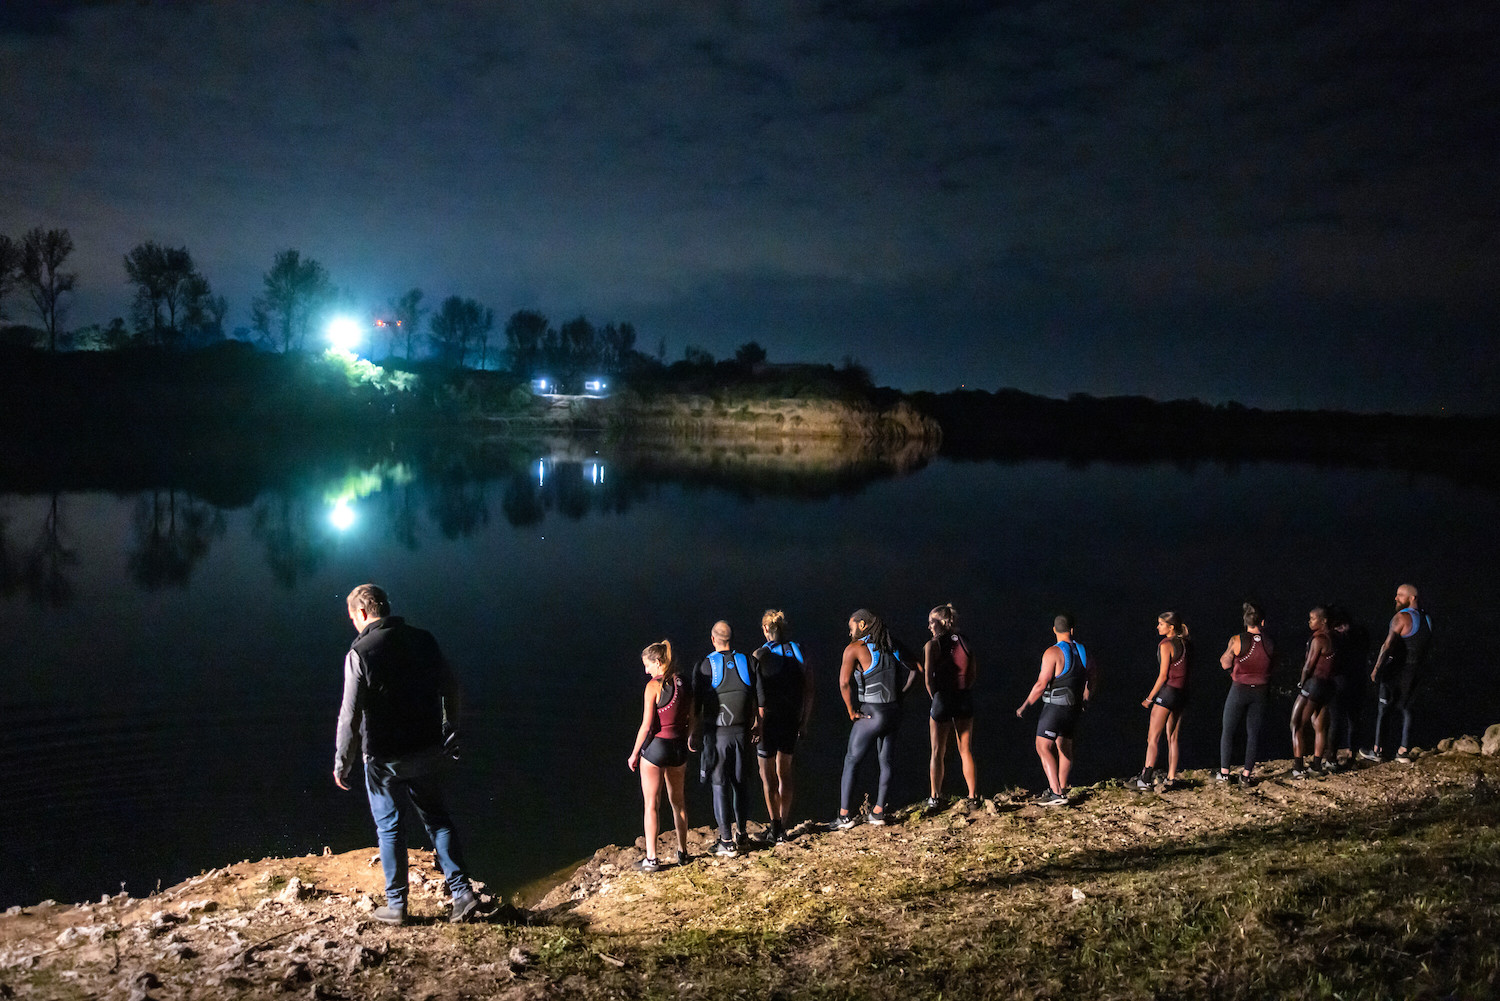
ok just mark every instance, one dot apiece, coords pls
pixel 174 306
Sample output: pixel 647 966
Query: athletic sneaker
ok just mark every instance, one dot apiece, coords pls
pixel 1298 772
pixel 1221 776
pixel 726 849
pixel 1053 799
pixel 844 821
pixel 1328 766
pixel 1145 780
pixel 782 837
pixel 932 803
pixel 1246 781
pixel 876 819
pixel 973 802
pixel 683 858
pixel 1369 754
pixel 1404 756
pixel 647 865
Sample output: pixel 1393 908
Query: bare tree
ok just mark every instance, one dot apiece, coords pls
pixel 407 312
pixel 10 268
pixel 459 323
pixel 294 291
pixel 525 333
pixel 43 252
pixel 165 279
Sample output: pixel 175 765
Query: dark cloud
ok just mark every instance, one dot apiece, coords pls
pixel 982 181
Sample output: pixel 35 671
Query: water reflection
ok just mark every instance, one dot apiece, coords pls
pixel 39 568
pixel 172 535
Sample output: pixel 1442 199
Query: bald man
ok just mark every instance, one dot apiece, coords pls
pixel 724 688
pixel 1399 668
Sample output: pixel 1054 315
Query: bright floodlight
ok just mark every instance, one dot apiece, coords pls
pixel 344 333
pixel 342 516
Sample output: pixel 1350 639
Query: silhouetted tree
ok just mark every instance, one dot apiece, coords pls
pixel 295 291
pixel 615 346
pixel 10 268
pixel 695 355
pixel 43 252
pixel 407 313
pixel 204 312
pixel 456 325
pixel 580 347
pixel 525 333
pixel 284 525
pixel 167 281
pixel 749 354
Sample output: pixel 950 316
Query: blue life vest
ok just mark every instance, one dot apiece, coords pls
pixel 876 684
pixel 1066 686
pixel 741 664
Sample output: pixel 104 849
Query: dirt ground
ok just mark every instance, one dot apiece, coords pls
pixel 938 902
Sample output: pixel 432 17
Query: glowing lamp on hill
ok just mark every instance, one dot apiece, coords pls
pixel 344 333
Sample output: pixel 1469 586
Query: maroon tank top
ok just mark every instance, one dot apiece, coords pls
pixel 1325 666
pixel 1253 665
pixel 672 715
pixel 1177 667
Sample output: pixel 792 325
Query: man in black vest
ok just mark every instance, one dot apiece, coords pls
pixel 401 704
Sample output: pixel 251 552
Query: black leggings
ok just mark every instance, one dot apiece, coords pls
pixel 731 783
pixel 1246 704
pixel 878 726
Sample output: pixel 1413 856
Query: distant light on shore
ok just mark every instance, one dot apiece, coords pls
pixel 344 333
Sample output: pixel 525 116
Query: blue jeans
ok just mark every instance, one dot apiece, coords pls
pixel 415 784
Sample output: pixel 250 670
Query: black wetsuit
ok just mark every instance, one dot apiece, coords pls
pixel 951 698
pixel 780 678
pixel 1350 678
pixel 876 689
pixel 1403 672
pixel 727 710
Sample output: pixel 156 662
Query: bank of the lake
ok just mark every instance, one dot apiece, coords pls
pixel 1379 882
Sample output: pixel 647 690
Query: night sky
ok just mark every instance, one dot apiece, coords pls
pixel 1287 204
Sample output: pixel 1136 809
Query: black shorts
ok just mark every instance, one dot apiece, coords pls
pixel 1058 721
pixel 1171 698
pixel 778 738
pixel 1318 691
pixel 666 752
pixel 949 706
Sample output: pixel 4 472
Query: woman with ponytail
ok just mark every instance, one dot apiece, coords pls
pixel 660 750
pixel 1248 661
pixel 1168 697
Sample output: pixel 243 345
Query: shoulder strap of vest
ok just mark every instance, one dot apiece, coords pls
pixel 716 659
pixel 1416 622
pixel 796 652
pixel 874 657
pixel 742 664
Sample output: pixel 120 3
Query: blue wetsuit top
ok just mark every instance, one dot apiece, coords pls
pixel 1066 686
pixel 725 690
pixel 876 684
pixel 1417 637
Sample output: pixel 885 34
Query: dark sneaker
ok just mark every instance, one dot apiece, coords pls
pixel 1369 754
pixel 844 821
pixel 1145 780
pixel 782 837
pixel 1053 799
pixel 1328 767
pixel 726 849
pixel 389 915
pixel 973 802
pixel 932 803
pixel 1404 756
pixel 1246 781
pixel 1221 776
pixel 683 858
pixel 647 865
pixel 876 819
pixel 463 906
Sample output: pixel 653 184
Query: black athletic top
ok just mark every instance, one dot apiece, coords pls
pixel 779 678
pixel 1417 638
pixel 951 672
pixel 730 703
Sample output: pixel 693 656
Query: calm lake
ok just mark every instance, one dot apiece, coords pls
pixel 172 673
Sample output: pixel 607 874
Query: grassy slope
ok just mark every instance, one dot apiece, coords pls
pixel 1384 883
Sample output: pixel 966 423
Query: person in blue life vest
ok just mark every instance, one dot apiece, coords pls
pixel 400 712
pixel 660 751
pixel 784 691
pixel 1064 685
pixel 949 667
pixel 872 677
pixel 727 723
pixel 1400 667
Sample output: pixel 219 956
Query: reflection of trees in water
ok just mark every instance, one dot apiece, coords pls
pixel 288 527
pixel 401 515
pixel 569 489
pixel 172 534
pixel 40 569
pixel 458 505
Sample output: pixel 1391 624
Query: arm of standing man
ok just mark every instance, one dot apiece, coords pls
pixel 351 712
pixel 1396 630
pixel 1050 661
